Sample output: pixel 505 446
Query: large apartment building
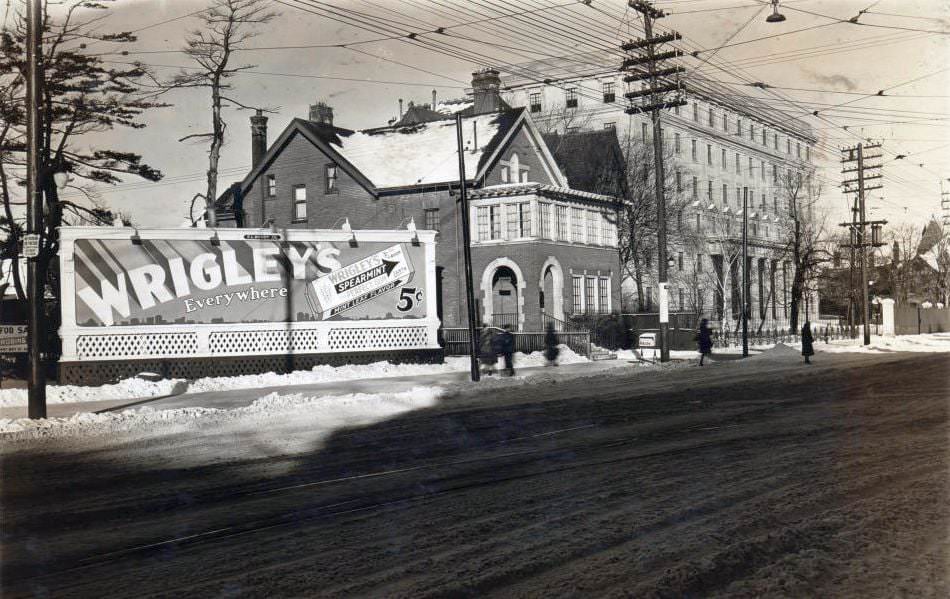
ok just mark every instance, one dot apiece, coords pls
pixel 719 147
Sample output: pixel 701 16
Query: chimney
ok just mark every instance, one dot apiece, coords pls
pixel 485 86
pixel 433 100
pixel 321 112
pixel 258 137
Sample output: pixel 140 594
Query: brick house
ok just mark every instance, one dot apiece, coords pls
pixel 539 247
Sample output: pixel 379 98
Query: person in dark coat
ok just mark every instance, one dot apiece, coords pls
pixel 704 340
pixel 807 341
pixel 550 345
pixel 505 345
pixel 486 351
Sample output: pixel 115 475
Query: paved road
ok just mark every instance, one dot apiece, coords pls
pixel 745 479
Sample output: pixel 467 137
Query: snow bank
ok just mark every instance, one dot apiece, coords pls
pixel 138 388
pixel 933 342
pixel 316 414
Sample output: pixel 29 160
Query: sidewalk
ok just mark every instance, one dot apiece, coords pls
pixel 237 398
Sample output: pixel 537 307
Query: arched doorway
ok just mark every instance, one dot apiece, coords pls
pixel 503 288
pixel 551 290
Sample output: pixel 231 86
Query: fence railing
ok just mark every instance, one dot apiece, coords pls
pixel 822 334
pixel 505 318
pixel 456 341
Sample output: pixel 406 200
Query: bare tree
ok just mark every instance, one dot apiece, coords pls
pixel 227 26
pixel 806 235
pixel 904 240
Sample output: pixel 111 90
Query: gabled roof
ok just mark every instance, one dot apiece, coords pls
pixel 591 160
pixel 420 155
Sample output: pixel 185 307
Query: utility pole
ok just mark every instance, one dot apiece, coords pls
pixel 467 241
pixel 34 209
pixel 643 65
pixel 745 272
pixel 858 229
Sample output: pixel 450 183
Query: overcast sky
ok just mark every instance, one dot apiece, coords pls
pixel 841 57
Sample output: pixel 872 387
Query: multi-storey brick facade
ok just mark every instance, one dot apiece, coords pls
pixel 316 175
pixel 719 150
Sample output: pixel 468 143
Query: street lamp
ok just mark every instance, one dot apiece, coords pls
pixel 776 16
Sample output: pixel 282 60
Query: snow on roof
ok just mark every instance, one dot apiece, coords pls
pixel 930 258
pixel 423 153
pixel 514 189
pixel 450 107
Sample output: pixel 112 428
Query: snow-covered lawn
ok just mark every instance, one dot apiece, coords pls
pixel 135 388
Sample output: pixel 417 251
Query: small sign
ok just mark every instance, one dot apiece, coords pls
pixel 31 245
pixel 13 339
pixel 273 237
pixel 647 340
pixel 664 302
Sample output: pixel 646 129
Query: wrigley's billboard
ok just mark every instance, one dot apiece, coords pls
pixel 256 279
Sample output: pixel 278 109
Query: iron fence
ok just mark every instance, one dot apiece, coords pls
pixel 456 341
pixel 822 334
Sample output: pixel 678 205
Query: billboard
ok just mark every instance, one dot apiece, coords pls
pixel 258 279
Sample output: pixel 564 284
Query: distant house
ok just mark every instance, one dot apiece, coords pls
pixel 540 248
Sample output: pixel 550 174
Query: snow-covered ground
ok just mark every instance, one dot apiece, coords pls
pixel 135 388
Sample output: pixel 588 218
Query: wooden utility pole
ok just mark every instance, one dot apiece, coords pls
pixel 856 154
pixel 745 272
pixel 467 243
pixel 656 86
pixel 36 286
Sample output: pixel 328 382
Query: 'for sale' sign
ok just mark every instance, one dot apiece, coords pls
pixel 13 339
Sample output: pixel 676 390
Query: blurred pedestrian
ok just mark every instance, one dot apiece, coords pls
pixel 550 345
pixel 505 345
pixel 486 351
pixel 807 342
pixel 704 340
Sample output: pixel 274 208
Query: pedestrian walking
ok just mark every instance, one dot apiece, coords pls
pixel 550 345
pixel 505 345
pixel 486 351
pixel 807 342
pixel 704 340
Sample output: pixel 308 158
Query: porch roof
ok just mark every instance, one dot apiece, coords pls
pixel 550 191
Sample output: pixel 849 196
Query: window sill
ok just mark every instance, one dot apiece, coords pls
pixel 298 221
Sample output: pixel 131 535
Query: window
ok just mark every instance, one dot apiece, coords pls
pixel 763 204
pixel 709 154
pixel 725 194
pixel 695 112
pixel 676 144
pixel 572 97
pixel 609 95
pixel 577 225
pixel 738 196
pixel 544 219
pixel 712 118
pixel 432 219
pixel 605 229
pixel 764 141
pixel 798 148
pixel 709 190
pixel 272 186
pixel 775 204
pixel 300 203
pixel 699 223
pixel 695 188
pixel 505 174
pixel 723 158
pixel 693 153
pixel 774 174
pixel 593 227
pixel 603 295
pixel 590 292
pixel 331 178
pixel 738 126
pixel 807 153
pixel 751 173
pixel 751 132
pixel 788 145
pixel 725 122
pixel 489 222
pixel 561 222
pixel 775 141
pixel 519 220
pixel 610 126
pixel 679 261
pixel 699 263
pixel 738 164
pixel 762 167
pixel 679 182
pixel 643 131
pixel 577 293
pixel 534 100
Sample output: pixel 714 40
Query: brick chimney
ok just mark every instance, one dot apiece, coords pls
pixel 485 86
pixel 258 137
pixel 321 112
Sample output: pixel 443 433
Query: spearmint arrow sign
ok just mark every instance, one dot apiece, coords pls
pixel 362 281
